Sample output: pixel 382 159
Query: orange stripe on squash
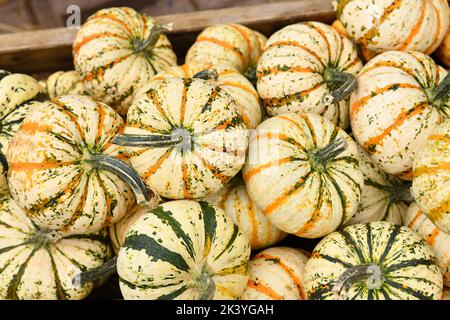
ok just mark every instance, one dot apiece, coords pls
pixel 264 290
pixel 223 44
pixel 415 30
pixel 250 173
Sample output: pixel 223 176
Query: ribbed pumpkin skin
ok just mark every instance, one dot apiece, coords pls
pixel 292 67
pixel 377 203
pixel 390 113
pixel 276 274
pixel 48 175
pixel 63 83
pixel 18 95
pixel 219 197
pixel 380 25
pixel 431 177
pixel 296 195
pixel 34 267
pixel 166 251
pixel 231 81
pixel 438 240
pixel 214 123
pixel 105 55
pixel 227 44
pixel 407 264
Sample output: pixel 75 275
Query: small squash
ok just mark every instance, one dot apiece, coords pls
pixel 276 274
pixel 431 177
pixel 184 250
pixel 302 172
pixel 186 137
pixel 64 171
pixel 117 51
pixel 438 240
pixel 308 67
pixel 379 25
pixel 374 261
pixel 400 98
pixel 63 83
pixel 39 264
pixel 19 94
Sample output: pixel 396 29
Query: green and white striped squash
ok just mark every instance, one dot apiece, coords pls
pixel 64 171
pixel 374 261
pixel 302 172
pixel 39 264
pixel 228 79
pixel 431 177
pixel 117 51
pixel 438 240
pixel 19 94
pixel 184 250
pixel 400 98
pixel 276 274
pixel 380 25
pixel 308 67
pixel 384 197
pixel 63 83
pixel 186 137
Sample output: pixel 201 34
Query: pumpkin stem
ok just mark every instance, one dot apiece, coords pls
pixel 124 171
pixel 107 269
pixel 397 191
pixel 207 74
pixel 157 30
pixel 179 136
pixel 331 151
pixel 206 286
pixel 341 84
pixel 250 74
pixel 371 274
pixel 443 90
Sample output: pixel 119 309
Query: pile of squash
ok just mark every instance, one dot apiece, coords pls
pixel 185 179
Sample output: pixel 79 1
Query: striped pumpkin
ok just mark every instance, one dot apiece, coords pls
pixel 186 137
pixel 308 67
pixel 62 83
pixel 395 108
pixel 19 94
pixel 276 274
pixel 384 197
pixel 228 79
pixel 218 198
pixel 232 44
pixel 184 250
pixel 39 264
pixel 64 171
pixel 381 25
pixel 439 241
pixel 431 177
pixel 374 261
pixel 302 172
pixel 117 51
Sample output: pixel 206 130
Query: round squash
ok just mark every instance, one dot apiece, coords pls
pixel 400 98
pixel 218 198
pixel 39 264
pixel 373 261
pixel 228 79
pixel 117 51
pixel 384 197
pixel 431 177
pixel 63 83
pixel 184 250
pixel 276 274
pixel 19 94
pixel 65 172
pixel 439 241
pixel 308 67
pixel 302 172
pixel 380 25
pixel 186 137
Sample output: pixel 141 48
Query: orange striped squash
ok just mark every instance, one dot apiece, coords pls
pixel 231 81
pixel 62 83
pixel 431 177
pixel 394 108
pixel 302 64
pixel 438 240
pixel 276 274
pixel 186 137
pixel 64 171
pixel 303 173
pixel 381 25
pixel 117 51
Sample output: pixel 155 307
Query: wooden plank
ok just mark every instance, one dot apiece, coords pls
pixel 50 49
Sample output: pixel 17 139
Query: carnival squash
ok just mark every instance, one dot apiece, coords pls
pixel 63 83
